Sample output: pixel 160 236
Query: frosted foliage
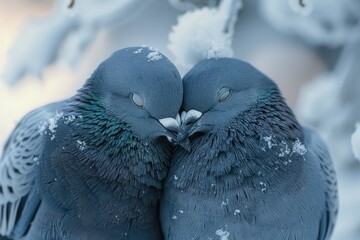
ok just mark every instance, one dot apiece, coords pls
pixel 355 142
pixel 322 22
pixel 204 33
pixel 331 102
pixel 64 33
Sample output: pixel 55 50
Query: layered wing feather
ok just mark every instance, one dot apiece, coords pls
pixel 18 170
pixel 319 150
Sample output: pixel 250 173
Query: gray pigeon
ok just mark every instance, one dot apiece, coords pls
pixel 252 171
pixel 92 167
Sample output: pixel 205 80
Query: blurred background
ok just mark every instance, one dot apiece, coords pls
pixel 311 48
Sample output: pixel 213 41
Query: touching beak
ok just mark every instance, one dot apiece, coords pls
pixel 171 127
pixel 190 124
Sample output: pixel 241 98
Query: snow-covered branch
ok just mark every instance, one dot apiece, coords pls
pixel 69 29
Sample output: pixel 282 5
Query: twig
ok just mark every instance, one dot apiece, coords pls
pixel 71 4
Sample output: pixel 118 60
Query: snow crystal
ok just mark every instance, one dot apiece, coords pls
pixel 224 203
pixel 42 128
pixel 174 217
pixel 154 55
pixel 299 148
pixel 285 150
pixel 138 51
pixel 355 141
pixel 268 140
pixel 50 125
pixel 81 145
pixel 176 177
pixel 53 124
pixel 223 235
pixel 181 211
pixel 263 186
pixel 69 119
pixel 237 211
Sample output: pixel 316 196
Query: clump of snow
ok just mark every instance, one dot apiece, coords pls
pixel 174 217
pixel 154 55
pixel 138 51
pixel 355 142
pixel 53 122
pixel 223 234
pixel 69 119
pixel 81 145
pixel 263 186
pixel 225 203
pixel 285 150
pixel 204 33
pixel 49 126
pixel 299 147
pixel 181 211
pixel 237 211
pixel 42 127
pixel 269 142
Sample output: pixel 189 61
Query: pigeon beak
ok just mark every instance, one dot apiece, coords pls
pixel 170 127
pixel 191 124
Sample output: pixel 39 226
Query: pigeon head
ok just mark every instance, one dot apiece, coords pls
pixel 140 86
pixel 218 90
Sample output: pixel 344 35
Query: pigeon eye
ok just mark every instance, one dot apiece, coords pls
pixel 223 94
pixel 137 99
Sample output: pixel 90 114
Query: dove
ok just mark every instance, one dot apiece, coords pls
pixel 92 166
pixel 251 171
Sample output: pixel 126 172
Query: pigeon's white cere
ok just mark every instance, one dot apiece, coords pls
pixel 192 115
pixel 355 142
pixel 170 123
pixel 178 118
pixel 223 235
pixel 183 115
